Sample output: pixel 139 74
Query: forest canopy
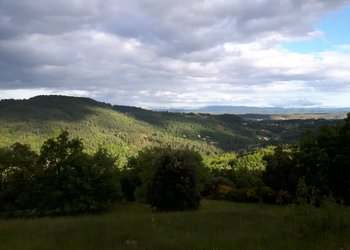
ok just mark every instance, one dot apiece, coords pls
pixel 66 177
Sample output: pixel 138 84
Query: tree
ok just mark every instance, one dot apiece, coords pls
pixel 324 161
pixel 62 161
pixel 73 181
pixel 17 177
pixel 130 179
pixel 104 178
pixel 63 179
pixel 280 172
pixel 171 178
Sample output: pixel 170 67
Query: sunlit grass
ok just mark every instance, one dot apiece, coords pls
pixel 216 225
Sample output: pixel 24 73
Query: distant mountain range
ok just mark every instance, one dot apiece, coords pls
pixel 259 110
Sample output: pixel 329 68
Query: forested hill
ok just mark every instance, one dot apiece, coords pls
pixel 125 130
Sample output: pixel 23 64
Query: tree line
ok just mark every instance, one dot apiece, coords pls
pixel 315 168
pixel 63 179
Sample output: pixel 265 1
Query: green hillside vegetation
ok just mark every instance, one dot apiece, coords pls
pixel 311 179
pixel 97 124
pixel 252 173
pixel 124 130
pixel 63 179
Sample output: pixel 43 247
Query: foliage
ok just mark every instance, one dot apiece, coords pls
pixel 171 178
pixel 320 159
pixel 17 177
pixel 218 188
pixel 61 180
pixel 324 162
pixel 239 178
pixel 280 172
pixel 219 161
pixel 130 179
pixel 124 130
pixel 317 167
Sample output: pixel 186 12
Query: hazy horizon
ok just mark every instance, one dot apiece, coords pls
pixel 189 108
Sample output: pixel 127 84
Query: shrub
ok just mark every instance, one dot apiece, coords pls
pixel 267 195
pixel 171 178
pixel 218 188
pixel 283 197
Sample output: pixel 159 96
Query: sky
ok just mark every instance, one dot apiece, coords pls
pixel 172 54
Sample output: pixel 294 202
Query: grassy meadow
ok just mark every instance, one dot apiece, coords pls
pixel 216 225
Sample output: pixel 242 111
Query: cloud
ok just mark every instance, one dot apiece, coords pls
pixel 169 53
pixel 27 93
pixel 303 103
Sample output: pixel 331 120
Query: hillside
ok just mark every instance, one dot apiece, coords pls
pixel 124 130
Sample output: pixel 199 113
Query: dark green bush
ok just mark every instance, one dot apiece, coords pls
pixel 171 178
pixel 218 188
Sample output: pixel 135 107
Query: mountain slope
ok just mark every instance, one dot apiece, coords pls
pixel 124 130
pixel 33 121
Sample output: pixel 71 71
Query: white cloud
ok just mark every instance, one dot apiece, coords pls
pixel 28 93
pixel 170 53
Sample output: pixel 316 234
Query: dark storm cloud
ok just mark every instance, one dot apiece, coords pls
pixel 24 17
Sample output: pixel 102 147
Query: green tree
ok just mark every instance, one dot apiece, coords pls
pixel 104 178
pixel 171 178
pixel 324 161
pixel 280 172
pixel 17 177
pixel 130 179
pixel 73 181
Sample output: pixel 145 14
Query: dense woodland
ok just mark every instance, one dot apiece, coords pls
pixel 124 130
pixel 66 176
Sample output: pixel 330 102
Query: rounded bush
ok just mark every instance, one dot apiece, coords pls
pixel 174 179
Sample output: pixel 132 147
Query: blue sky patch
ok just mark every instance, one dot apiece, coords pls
pixel 336 29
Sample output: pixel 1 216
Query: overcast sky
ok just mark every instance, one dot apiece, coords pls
pixel 176 53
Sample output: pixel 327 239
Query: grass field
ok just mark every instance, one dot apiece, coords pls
pixel 216 225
